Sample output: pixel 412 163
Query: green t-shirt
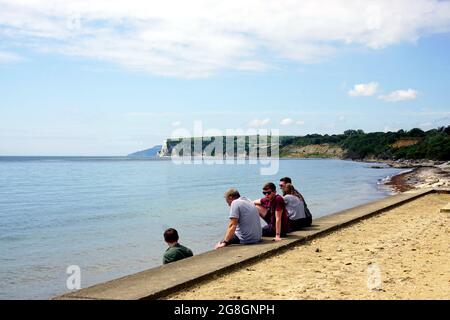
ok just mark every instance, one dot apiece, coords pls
pixel 175 253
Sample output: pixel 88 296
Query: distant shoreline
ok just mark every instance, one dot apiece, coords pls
pixel 419 175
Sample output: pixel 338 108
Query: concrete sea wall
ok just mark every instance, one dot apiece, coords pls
pixel 161 281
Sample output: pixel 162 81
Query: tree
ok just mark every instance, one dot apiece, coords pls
pixel 416 132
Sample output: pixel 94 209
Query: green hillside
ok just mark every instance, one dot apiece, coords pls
pixel 352 144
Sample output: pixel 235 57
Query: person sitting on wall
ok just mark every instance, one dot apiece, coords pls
pixel 245 225
pixel 298 212
pixel 296 209
pixel 175 251
pixel 273 210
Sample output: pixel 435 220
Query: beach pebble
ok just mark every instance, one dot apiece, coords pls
pixel 405 279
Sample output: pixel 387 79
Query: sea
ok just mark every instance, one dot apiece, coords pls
pixel 106 215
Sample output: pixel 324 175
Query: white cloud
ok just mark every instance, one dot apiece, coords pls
pixel 200 37
pixel 258 123
pixel 152 114
pixel 364 89
pixel 176 123
pixel 252 66
pixel 400 95
pixel 6 57
pixel 287 122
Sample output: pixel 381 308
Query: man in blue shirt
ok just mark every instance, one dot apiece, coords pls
pixel 245 225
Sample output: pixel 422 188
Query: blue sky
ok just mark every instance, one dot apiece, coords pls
pixel 87 79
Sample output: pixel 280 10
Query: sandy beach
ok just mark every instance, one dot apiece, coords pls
pixel 403 253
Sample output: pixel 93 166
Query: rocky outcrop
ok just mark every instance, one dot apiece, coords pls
pixel 421 177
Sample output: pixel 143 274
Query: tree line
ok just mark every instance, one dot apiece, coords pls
pixel 403 144
pixel 432 144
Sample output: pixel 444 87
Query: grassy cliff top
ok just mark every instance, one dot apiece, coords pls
pixel 356 144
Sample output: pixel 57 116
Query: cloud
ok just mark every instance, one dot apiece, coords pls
pixel 258 123
pixel 364 89
pixel 6 57
pixel 152 114
pixel 287 122
pixel 201 37
pixel 400 95
pixel 176 123
pixel 252 66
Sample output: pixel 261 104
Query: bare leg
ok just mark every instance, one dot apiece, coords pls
pixel 261 210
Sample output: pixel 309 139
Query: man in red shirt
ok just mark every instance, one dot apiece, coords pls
pixel 273 210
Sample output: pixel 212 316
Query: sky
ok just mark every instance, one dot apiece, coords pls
pixel 110 78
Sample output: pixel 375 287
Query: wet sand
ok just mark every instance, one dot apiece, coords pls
pixel 403 253
pixel 399 182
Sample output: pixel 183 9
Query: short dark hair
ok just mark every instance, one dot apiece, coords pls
pixel 286 180
pixel 171 235
pixel 270 186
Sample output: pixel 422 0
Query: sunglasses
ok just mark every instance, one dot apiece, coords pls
pixel 266 193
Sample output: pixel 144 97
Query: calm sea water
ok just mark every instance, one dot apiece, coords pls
pixel 107 215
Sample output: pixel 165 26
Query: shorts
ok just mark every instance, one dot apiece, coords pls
pixel 268 231
pixel 295 225
pixel 234 240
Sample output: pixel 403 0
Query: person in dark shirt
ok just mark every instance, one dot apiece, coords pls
pixel 273 210
pixel 175 251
